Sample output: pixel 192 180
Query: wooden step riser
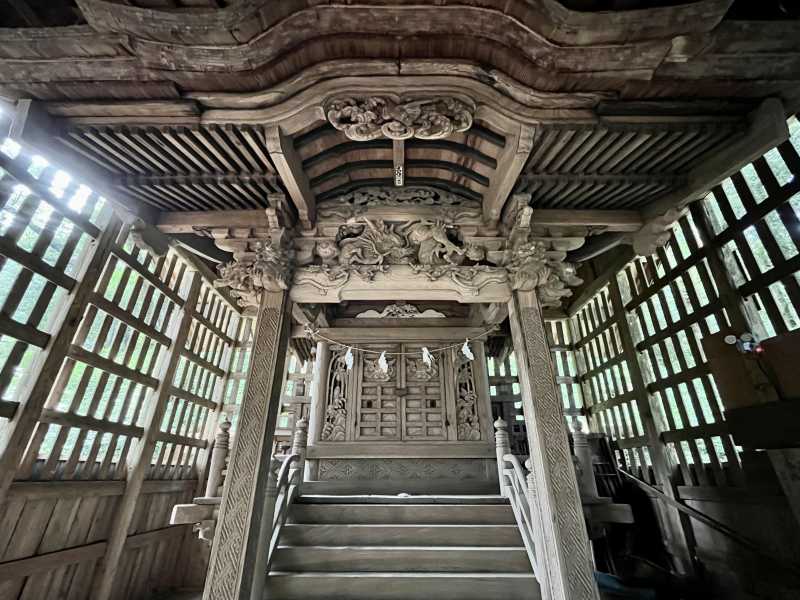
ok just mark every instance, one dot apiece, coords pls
pixel 408 486
pixel 400 535
pixel 404 560
pixel 399 586
pixel 402 514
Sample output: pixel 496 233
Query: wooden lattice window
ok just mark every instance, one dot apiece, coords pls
pixel 754 219
pixel 608 383
pixel 114 368
pixel 732 262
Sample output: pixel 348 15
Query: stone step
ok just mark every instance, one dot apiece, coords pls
pixel 416 514
pixel 402 586
pixel 400 486
pixel 452 559
pixel 400 535
pixel 399 499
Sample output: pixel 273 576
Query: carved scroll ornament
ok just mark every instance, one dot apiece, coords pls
pixel 270 269
pixel 368 118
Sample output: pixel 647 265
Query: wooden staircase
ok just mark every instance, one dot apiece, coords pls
pixel 401 548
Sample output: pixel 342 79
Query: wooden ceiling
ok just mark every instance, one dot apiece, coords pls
pixel 581 103
pixel 617 166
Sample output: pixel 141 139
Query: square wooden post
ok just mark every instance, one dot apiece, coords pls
pixel 237 568
pixel 566 558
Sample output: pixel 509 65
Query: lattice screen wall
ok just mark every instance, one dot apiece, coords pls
pixel 114 367
pixel 733 261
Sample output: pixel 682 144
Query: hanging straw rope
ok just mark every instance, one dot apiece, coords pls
pixel 314 333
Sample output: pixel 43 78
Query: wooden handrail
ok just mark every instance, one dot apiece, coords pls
pixel 715 525
pixel 286 489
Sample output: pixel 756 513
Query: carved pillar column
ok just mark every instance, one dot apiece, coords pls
pixel 237 567
pixel 316 411
pixel 566 556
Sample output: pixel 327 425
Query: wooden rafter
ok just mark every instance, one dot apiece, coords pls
pixel 290 169
pixel 511 162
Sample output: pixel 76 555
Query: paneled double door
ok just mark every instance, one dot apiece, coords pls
pixel 410 400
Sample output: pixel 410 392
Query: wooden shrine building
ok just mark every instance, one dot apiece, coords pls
pixel 392 300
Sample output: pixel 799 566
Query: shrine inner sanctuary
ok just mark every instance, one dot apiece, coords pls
pixel 388 300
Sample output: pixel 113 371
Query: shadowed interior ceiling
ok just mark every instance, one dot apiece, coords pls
pixel 205 105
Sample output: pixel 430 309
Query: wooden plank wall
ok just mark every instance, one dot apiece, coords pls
pixel 114 365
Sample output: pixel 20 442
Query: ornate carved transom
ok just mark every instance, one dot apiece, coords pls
pixel 450 206
pixel 368 118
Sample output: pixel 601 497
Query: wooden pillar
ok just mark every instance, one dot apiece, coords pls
pixel 566 556
pixel 316 412
pixel 237 568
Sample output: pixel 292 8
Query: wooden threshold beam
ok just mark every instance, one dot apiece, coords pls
pixel 290 168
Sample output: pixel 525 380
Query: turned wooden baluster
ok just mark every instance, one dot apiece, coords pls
pixel 218 457
pixel 299 445
pixel 503 447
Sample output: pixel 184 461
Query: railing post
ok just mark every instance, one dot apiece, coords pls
pixel 218 457
pixel 299 445
pixel 503 447
pixel 538 541
pixel 587 485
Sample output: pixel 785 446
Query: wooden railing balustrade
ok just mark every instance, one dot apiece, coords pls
pixel 202 512
pixel 517 485
pixel 288 483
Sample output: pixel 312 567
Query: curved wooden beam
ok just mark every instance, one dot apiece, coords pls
pixel 248 19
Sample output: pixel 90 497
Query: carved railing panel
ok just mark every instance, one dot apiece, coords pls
pixel 468 425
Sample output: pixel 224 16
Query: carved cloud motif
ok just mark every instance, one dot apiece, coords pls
pixel 364 119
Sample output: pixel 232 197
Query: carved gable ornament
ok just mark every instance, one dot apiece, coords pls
pixel 368 118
